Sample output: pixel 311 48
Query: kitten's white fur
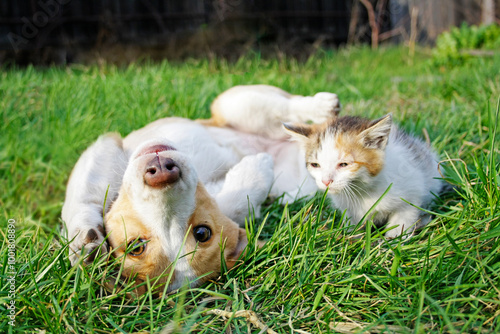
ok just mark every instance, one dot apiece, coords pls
pixel 409 165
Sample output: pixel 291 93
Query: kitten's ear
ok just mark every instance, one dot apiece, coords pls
pixel 298 131
pixel 377 135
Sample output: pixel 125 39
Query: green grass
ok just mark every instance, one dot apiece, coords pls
pixel 311 276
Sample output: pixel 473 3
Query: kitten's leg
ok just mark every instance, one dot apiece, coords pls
pixel 423 220
pixel 100 166
pixel 403 220
pixel 247 183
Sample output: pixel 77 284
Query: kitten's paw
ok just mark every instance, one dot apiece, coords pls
pixel 326 105
pixel 424 220
pixel 394 233
pixel 408 232
pixel 92 242
pixel 404 222
pixel 404 230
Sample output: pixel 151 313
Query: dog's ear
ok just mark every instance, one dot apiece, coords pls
pixel 114 284
pixel 299 132
pixel 232 257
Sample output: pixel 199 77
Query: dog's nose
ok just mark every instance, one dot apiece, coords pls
pixel 161 171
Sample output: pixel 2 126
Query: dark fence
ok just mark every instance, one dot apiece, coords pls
pixel 37 24
pixel 31 29
pixel 34 24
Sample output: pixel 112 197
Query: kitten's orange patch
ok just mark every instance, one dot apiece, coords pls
pixel 347 141
pixel 372 159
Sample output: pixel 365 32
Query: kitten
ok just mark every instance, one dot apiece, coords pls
pixel 356 160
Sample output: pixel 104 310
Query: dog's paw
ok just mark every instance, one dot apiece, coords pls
pixel 326 105
pixel 89 243
pixel 255 170
pixel 262 160
pixel 247 183
pixel 249 180
pixel 252 171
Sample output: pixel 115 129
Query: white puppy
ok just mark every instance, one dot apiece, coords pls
pixel 178 187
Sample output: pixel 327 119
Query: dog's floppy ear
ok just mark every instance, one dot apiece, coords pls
pixel 232 257
pixel 302 132
pixel 117 284
pixel 298 132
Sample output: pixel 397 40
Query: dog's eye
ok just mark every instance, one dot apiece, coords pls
pixel 202 233
pixel 136 247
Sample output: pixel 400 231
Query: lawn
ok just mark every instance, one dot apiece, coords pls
pixel 312 276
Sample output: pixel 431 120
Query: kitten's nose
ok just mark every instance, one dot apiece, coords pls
pixel 327 182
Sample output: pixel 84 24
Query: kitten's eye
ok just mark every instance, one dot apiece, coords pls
pixel 343 164
pixel 314 165
pixel 202 233
pixel 137 247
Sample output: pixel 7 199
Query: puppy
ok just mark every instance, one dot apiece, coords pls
pixel 170 196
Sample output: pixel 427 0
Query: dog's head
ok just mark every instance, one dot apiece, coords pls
pixel 165 223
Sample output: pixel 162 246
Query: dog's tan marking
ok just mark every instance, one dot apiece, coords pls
pixel 125 226
pixel 207 257
pixel 216 120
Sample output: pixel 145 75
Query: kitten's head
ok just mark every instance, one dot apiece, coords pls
pixel 345 152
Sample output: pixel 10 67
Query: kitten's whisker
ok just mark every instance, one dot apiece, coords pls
pixel 359 189
pixel 348 192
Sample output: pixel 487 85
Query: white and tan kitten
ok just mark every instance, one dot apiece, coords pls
pixel 357 159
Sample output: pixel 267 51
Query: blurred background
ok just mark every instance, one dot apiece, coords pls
pixel 43 32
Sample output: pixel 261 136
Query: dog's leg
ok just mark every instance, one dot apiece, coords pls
pixel 100 166
pixel 317 108
pixel 261 109
pixel 247 183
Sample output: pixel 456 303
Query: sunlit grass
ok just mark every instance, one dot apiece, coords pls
pixel 313 275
